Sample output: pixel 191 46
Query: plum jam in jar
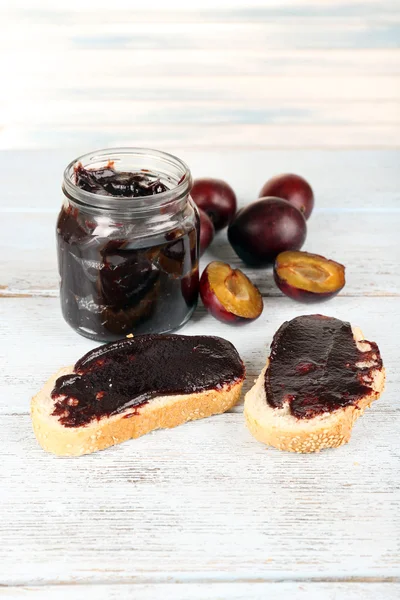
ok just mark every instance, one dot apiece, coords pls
pixel 128 244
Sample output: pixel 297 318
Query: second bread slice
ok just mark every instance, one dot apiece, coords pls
pixel 280 428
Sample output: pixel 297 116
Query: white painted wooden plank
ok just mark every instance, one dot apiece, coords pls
pixel 223 5
pixel 201 501
pixel 67 110
pixel 36 325
pixel 326 111
pixel 211 591
pixel 362 241
pixel 290 31
pixel 342 180
pixel 349 182
pixel 365 242
pixel 202 10
pixel 195 87
pixel 108 65
pixel 203 136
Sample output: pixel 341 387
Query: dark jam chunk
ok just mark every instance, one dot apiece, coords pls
pixel 109 182
pixel 129 373
pixel 114 281
pixel 316 367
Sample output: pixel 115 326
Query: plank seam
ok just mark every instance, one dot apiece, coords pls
pixel 167 579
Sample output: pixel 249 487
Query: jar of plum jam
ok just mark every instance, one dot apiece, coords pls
pixel 128 244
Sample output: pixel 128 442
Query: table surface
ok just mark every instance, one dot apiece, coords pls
pixel 203 510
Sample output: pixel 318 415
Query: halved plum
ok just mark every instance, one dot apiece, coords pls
pixel 228 294
pixel 308 277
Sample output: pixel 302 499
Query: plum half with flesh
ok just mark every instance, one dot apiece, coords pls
pixel 293 188
pixel 308 277
pixel 263 229
pixel 216 198
pixel 229 295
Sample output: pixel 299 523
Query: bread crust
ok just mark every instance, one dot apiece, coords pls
pixel 283 431
pixel 160 413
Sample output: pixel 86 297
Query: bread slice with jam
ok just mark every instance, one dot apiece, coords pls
pixel 128 388
pixel 320 377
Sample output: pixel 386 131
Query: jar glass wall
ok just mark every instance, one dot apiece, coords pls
pixel 128 264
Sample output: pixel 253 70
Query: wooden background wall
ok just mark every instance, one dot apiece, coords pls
pixel 259 74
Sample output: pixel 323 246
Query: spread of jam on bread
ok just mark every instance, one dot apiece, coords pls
pixel 109 182
pixel 127 374
pixel 316 367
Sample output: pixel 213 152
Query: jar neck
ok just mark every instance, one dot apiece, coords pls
pixel 173 172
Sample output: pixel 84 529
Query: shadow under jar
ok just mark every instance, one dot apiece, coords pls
pixel 128 244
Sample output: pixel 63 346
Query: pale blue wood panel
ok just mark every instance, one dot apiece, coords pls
pixel 283 590
pixel 286 32
pixel 356 219
pixel 365 242
pixel 199 10
pixel 203 501
pixel 122 66
pixel 291 75
pixel 49 343
pixel 166 137
pixel 292 24
pixel 367 180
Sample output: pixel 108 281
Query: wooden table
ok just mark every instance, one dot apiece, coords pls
pixel 203 511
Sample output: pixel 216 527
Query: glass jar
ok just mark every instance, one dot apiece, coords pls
pixel 128 264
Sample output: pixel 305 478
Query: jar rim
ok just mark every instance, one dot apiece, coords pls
pixel 137 203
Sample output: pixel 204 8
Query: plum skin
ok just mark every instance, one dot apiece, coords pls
pixel 207 231
pixel 304 296
pixel 264 229
pixel 214 306
pixel 293 188
pixel 216 198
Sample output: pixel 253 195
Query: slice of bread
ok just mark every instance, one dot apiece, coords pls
pixel 161 412
pixel 279 428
